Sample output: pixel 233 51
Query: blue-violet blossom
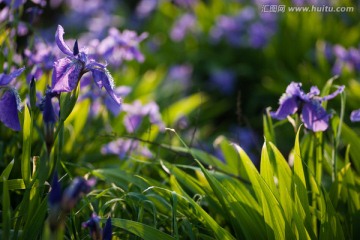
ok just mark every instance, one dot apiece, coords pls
pixel 10 101
pixel 312 114
pixel 69 70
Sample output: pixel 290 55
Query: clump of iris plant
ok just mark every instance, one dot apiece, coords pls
pixel 62 202
pixel 308 105
pixel 10 101
pixel 69 70
pixel 96 232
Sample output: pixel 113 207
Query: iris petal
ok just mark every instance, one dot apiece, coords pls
pixel 334 94
pixel 66 75
pixel 287 107
pixel 60 41
pixel 6 78
pixel 315 117
pixel 8 111
pixel 103 78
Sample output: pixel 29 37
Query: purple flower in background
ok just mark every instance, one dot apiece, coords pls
pixel 125 147
pixel 346 59
pixel 10 101
pixel 75 191
pixel 42 57
pixel 118 46
pixel 145 8
pixel 68 71
pixel 136 112
pixel 98 99
pixel 247 28
pixel 355 116
pixel 223 80
pixel 312 114
pixel 186 23
pixel 96 232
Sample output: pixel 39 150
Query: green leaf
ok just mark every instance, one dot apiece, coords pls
pixel 183 107
pixel 25 161
pixel 141 230
pixel 6 173
pixel 33 227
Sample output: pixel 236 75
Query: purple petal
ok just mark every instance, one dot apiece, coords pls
pixel 60 41
pixel 66 75
pixel 355 116
pixel 334 94
pixel 314 91
pixel 9 110
pixel 103 79
pixel 287 107
pixel 6 78
pixel 315 117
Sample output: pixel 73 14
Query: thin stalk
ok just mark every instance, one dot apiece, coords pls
pixel 337 138
pixel 319 157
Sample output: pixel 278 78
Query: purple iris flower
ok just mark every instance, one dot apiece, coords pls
pixel 312 114
pixel 124 147
pixel 96 232
pixel 118 46
pixel 69 70
pixel 10 101
pixel 136 112
pixel 186 23
pixel 145 8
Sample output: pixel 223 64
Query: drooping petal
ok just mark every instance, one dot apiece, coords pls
pixel 9 110
pixel 355 116
pixel 107 231
pixel 66 75
pixel 314 116
pixel 60 41
pixel 287 107
pixel 334 94
pixel 103 78
pixel 6 78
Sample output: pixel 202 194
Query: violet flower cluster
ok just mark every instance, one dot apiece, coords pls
pixel 96 233
pixel 345 59
pixel 10 102
pixel 308 105
pixel 247 28
pixel 119 46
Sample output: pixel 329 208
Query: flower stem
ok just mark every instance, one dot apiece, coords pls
pixel 337 137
